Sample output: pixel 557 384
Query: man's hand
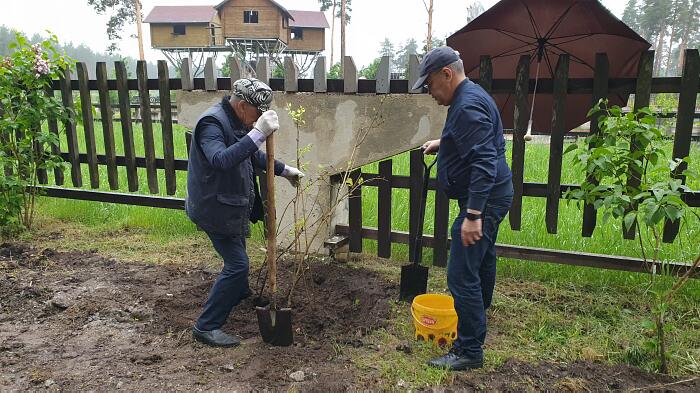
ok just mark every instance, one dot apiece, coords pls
pixel 293 175
pixel 471 231
pixel 267 123
pixel 431 147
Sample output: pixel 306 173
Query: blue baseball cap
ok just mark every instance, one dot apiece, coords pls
pixel 434 60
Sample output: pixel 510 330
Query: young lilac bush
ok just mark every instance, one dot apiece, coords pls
pixel 25 144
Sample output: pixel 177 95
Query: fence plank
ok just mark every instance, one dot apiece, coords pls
pixel 55 149
pixel 486 73
pixel 349 75
pixel 186 74
pixel 262 70
pixel 384 210
pixel 414 198
pixel 384 75
pixel 235 71
pixel 107 125
pixel 127 130
pixel 166 122
pixel 600 90
pixel 556 144
pixel 41 174
pixel 88 124
pixel 320 82
pixel 684 126
pixel 442 218
pixel 291 75
pixel 71 133
pixel 188 141
pixel 147 126
pixel 520 120
pixel 210 75
pixel 642 97
pixel 355 212
pixel 413 66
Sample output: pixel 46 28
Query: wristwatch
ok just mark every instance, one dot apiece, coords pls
pixel 472 216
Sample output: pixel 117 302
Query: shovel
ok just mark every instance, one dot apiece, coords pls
pixel 275 325
pixel 414 277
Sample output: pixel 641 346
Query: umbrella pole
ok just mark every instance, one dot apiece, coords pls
pixel 528 134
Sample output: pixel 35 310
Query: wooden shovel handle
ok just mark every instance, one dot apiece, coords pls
pixel 271 217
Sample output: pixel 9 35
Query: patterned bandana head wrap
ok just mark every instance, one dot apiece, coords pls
pixel 254 92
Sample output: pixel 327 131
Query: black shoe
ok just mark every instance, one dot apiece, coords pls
pixel 215 338
pixel 454 362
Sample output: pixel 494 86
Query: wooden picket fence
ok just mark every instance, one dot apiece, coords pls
pixel 600 86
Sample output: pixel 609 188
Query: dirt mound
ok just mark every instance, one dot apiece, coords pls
pixel 123 317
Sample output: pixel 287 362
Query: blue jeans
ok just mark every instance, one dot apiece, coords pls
pixel 471 277
pixel 231 285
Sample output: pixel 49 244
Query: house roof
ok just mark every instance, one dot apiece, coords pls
pixel 315 19
pixel 278 5
pixel 181 14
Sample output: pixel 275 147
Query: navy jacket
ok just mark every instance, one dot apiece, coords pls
pixel 471 163
pixel 221 186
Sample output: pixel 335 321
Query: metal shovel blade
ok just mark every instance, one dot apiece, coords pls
pixel 275 326
pixel 414 281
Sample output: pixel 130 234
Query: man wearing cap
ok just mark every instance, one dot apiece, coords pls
pixel 222 194
pixel 472 169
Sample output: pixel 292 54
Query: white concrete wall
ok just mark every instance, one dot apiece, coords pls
pixel 392 123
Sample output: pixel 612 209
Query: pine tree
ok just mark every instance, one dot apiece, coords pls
pixel 631 15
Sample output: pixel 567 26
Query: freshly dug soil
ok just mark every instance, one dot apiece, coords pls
pixel 79 321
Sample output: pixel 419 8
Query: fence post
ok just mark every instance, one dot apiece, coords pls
pixel 556 144
pixel 684 126
pixel 355 211
pixel 107 125
pixel 600 90
pixel 166 121
pixel 413 74
pixel 520 120
pixel 349 75
pixel 486 73
pixel 320 82
pixel 147 126
pixel 71 133
pixel 186 75
pixel 383 75
pixel 210 75
pixel 384 209
pixel 642 97
pixel 291 75
pixel 88 124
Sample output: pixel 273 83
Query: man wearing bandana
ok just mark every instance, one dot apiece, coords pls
pixel 222 193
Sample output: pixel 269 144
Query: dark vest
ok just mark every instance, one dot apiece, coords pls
pixel 219 201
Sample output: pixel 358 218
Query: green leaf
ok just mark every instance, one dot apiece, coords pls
pixel 630 218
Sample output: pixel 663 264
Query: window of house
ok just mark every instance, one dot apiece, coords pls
pixel 250 16
pixel 297 33
pixel 179 29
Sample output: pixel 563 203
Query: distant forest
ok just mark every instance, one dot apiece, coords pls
pixel 84 54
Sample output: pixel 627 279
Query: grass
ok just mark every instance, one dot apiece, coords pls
pixel 541 312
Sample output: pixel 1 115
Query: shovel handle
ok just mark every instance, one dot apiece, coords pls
pixel 271 217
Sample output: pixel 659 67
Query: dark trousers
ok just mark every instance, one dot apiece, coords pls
pixel 231 285
pixel 471 277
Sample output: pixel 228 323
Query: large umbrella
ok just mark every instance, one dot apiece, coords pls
pixel 546 29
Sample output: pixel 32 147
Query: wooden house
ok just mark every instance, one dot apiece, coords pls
pixel 179 27
pixel 307 32
pixel 240 24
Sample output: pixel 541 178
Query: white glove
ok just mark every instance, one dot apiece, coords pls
pixel 267 123
pixel 293 175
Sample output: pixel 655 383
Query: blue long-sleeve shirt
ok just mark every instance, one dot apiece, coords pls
pixel 471 164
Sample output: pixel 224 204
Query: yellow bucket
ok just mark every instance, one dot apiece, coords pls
pixel 435 318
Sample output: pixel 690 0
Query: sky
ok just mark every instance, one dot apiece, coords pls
pixel 372 21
